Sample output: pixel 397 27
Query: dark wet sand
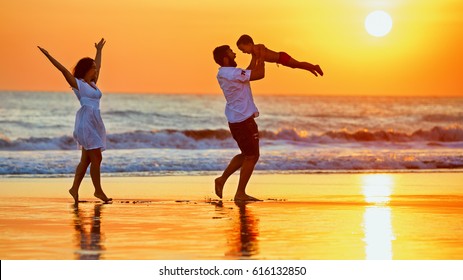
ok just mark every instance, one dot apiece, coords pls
pixel 309 217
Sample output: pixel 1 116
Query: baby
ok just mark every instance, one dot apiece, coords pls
pixel 246 45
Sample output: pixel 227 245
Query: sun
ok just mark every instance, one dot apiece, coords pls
pixel 378 23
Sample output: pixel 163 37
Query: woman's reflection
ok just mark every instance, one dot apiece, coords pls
pixel 88 233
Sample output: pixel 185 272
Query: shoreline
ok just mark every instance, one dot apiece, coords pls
pixel 218 172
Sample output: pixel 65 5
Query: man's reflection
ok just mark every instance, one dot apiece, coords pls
pixel 88 233
pixel 243 243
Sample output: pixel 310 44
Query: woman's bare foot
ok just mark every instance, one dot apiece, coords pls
pixel 245 197
pixel 75 195
pixel 218 187
pixel 103 197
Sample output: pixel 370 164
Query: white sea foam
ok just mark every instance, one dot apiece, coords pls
pixel 162 161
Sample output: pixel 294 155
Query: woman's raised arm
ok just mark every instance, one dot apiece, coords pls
pixel 67 75
pixel 99 47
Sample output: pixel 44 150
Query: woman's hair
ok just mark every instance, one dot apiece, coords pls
pixel 220 53
pixel 245 39
pixel 82 67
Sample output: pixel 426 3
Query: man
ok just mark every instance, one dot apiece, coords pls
pixel 240 111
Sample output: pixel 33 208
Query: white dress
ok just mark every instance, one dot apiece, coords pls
pixel 89 130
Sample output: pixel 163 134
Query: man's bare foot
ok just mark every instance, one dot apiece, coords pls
pixel 75 195
pixel 103 197
pixel 218 187
pixel 245 197
pixel 319 70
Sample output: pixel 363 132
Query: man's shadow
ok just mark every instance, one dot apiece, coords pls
pixel 88 233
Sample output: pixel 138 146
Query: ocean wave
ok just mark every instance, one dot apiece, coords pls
pixel 221 138
pixel 436 134
pixel 439 134
pixel 131 113
pixel 458 118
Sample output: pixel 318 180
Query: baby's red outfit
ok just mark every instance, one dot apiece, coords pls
pixel 284 58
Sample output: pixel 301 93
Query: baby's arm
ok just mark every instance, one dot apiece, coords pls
pixel 252 64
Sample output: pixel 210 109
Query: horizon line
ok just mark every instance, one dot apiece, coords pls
pixel 258 93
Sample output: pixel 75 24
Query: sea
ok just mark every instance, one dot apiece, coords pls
pixel 187 134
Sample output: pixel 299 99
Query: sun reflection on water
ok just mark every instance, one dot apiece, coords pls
pixel 377 188
pixel 377 221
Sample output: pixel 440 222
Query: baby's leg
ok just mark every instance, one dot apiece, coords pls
pixel 314 69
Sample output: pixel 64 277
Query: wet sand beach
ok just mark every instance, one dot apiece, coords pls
pixel 303 216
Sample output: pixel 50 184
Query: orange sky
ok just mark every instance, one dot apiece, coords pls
pixel 166 46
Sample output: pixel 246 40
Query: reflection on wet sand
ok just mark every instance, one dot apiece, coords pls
pixel 247 242
pixel 243 239
pixel 377 223
pixel 88 233
pixel 416 216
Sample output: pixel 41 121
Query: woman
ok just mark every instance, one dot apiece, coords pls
pixel 89 130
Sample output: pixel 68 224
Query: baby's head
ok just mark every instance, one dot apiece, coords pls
pixel 245 43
